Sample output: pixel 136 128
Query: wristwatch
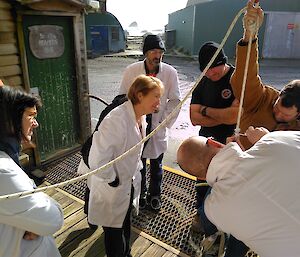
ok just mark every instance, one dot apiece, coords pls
pixel 203 111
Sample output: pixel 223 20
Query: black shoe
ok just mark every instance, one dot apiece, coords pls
pixel 143 203
pixel 155 203
pixel 92 226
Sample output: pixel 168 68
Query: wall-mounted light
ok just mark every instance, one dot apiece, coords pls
pixel 183 22
pixel 93 4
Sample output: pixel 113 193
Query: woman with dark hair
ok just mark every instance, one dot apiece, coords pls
pixel 27 223
pixel 13 104
pixel 113 190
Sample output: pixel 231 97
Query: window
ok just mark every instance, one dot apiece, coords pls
pixel 115 33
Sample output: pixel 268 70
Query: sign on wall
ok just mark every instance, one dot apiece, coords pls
pixel 46 41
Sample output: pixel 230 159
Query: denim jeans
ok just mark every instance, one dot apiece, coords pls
pixel 202 192
pixel 234 248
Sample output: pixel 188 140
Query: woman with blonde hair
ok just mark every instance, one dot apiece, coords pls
pixel 113 190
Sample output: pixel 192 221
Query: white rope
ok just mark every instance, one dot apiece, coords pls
pixel 163 123
pixel 237 128
pixel 253 27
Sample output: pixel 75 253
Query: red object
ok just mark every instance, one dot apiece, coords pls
pixel 214 143
pixel 256 3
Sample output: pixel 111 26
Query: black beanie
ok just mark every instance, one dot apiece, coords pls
pixel 153 42
pixel 207 51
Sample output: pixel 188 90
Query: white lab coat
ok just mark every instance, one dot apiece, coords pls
pixel 255 194
pixel 36 213
pixel 117 133
pixel 168 75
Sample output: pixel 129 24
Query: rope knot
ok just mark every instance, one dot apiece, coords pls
pixel 251 25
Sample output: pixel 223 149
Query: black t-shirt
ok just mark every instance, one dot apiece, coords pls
pixel 216 94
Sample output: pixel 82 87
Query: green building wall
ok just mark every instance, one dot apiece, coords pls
pixel 209 21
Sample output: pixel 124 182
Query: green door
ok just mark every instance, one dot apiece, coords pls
pixel 49 44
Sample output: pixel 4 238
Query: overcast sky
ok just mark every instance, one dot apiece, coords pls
pixel 149 14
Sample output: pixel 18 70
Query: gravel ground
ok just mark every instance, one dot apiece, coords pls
pixel 105 74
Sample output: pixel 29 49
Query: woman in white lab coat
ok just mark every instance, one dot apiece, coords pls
pixel 113 190
pixel 27 223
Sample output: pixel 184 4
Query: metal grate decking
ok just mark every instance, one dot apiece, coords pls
pixel 171 225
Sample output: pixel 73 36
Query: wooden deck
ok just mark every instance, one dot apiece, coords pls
pixel 76 239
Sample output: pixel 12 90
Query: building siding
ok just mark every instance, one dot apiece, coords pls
pixel 212 20
pixel 10 68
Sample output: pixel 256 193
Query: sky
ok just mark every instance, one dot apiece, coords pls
pixel 149 14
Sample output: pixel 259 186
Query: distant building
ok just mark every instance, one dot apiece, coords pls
pixel 104 34
pixel 205 20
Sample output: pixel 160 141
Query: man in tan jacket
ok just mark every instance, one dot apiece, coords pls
pixel 263 106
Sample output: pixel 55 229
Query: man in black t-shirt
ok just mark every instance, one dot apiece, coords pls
pixel 213 105
pixel 219 96
pixel 214 108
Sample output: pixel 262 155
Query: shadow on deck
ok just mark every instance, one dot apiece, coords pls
pixel 76 239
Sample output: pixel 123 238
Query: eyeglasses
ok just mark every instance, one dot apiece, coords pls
pixel 156 51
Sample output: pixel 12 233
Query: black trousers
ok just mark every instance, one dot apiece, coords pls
pixel 117 240
pixel 156 176
pixel 156 171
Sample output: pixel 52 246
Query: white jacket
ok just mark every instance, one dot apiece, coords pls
pixel 171 98
pixel 255 194
pixel 36 213
pixel 117 133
